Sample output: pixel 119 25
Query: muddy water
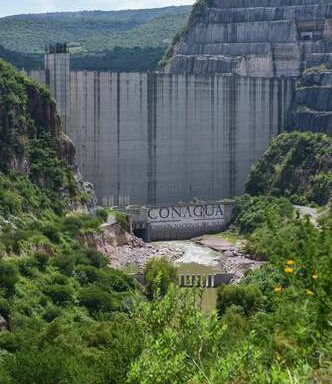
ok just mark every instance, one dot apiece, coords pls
pixel 198 260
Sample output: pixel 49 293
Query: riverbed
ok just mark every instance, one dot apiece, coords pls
pixel 209 254
pixel 199 260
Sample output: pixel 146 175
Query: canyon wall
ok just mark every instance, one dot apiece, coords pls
pixel 257 38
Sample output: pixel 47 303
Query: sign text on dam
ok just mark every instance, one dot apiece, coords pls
pixel 187 213
pixel 182 221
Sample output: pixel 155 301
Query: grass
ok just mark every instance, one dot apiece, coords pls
pixel 230 235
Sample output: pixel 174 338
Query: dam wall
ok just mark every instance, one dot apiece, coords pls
pixel 149 138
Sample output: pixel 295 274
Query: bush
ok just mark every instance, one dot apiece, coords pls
pixel 42 259
pixel 50 365
pixel 8 277
pixel 114 280
pixel 80 224
pixel 102 214
pixel 297 166
pixel 87 274
pixel 4 308
pixel 95 258
pixel 158 275
pixel 96 300
pixel 248 297
pixel 51 313
pixel 9 341
pixel 66 263
pixel 123 220
pixel 253 212
pixel 60 294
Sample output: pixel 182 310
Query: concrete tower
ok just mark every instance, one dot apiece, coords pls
pixel 58 78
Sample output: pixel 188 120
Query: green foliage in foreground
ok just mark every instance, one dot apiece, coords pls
pixel 275 330
pixel 297 166
pixel 72 319
pixel 159 273
pixel 67 311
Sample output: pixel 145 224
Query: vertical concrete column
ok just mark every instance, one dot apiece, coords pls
pixel 57 72
pixel 188 280
pixel 212 281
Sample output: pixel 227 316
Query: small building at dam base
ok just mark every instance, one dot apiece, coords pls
pixel 179 222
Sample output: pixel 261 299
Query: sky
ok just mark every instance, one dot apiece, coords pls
pixel 15 7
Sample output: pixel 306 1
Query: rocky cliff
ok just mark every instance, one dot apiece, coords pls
pixel 32 143
pixel 259 38
pixel 311 109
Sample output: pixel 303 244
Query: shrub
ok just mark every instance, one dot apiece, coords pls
pixel 60 294
pixel 52 232
pixel 253 212
pixel 8 277
pixel 9 341
pixel 27 267
pixel 158 275
pixel 297 166
pixel 123 220
pixel 249 297
pixel 96 300
pixel 51 313
pixel 10 203
pixel 102 214
pixel 95 258
pixel 114 280
pixel 65 263
pixel 42 259
pixel 4 308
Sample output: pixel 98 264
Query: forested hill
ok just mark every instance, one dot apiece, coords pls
pixel 93 35
pixel 297 166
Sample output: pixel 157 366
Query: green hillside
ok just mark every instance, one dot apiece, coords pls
pixel 92 31
pixel 119 40
pixel 297 166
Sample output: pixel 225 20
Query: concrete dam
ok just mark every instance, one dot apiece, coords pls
pixel 151 138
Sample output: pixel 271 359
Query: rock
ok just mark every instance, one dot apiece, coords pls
pixel 228 253
pixel 3 324
pixel 254 38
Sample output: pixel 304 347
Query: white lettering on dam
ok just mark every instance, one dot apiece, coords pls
pixel 186 213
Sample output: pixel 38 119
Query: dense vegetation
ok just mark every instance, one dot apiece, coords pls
pixel 21 60
pixel 61 301
pixel 132 40
pixel 297 166
pixel 72 319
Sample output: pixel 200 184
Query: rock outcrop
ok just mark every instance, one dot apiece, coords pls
pixel 258 38
pixel 32 141
pixel 311 109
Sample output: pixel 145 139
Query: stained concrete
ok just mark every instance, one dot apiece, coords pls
pixel 163 139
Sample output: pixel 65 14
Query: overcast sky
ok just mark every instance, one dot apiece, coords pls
pixel 15 7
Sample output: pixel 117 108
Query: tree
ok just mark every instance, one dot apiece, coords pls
pixel 158 275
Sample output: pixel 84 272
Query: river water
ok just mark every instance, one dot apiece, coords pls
pixel 197 259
